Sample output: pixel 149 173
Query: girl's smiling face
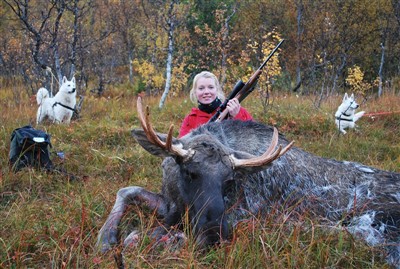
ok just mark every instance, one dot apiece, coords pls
pixel 206 90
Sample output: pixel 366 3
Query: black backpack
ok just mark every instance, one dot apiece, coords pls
pixel 30 147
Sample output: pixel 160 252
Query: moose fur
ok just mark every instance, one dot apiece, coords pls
pixel 365 199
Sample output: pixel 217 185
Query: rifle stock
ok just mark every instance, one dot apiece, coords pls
pixel 245 90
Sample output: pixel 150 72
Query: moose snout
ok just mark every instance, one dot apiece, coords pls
pixel 210 225
pixel 212 233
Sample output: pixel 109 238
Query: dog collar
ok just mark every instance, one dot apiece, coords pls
pixel 344 114
pixel 340 119
pixel 65 106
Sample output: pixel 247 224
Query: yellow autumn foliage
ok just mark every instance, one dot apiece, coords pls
pixel 355 80
pixel 149 74
pixel 272 68
pixel 179 78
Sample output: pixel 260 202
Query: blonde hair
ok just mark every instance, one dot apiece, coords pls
pixel 206 74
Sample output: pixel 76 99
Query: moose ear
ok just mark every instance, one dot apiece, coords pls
pixel 142 139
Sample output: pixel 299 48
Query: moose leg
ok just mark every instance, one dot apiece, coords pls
pixel 108 234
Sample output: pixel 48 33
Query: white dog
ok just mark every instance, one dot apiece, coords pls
pixel 345 116
pixel 59 108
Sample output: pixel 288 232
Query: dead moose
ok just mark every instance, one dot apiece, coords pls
pixel 237 165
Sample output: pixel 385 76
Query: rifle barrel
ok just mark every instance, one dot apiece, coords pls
pixel 270 55
pixel 245 89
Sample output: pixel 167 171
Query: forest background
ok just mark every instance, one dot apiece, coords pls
pixel 158 46
pixel 117 49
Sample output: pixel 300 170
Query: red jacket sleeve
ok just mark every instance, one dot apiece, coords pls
pixel 185 127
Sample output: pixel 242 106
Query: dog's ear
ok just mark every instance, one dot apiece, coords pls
pixel 64 79
pixel 352 96
pixel 345 97
pixel 73 80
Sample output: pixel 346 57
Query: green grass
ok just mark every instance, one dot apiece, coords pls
pixel 47 221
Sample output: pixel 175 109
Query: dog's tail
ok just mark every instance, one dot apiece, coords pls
pixel 358 115
pixel 42 93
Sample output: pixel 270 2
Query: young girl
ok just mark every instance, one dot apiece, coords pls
pixel 208 95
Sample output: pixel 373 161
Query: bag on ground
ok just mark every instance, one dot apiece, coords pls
pixel 29 148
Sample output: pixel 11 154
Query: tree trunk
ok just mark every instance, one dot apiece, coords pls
pixel 380 88
pixel 57 67
pixel 171 28
pixel 54 43
pixel 300 8
pixel 75 38
pixel 224 49
pixel 130 59
pixel 169 68
pixel 338 74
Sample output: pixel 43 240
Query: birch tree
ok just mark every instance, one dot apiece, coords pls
pixel 170 28
pixel 300 8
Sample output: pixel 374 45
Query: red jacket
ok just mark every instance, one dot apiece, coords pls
pixel 197 117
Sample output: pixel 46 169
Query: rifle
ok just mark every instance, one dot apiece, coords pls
pixel 242 90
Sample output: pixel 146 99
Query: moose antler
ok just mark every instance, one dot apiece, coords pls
pixel 153 137
pixel 269 155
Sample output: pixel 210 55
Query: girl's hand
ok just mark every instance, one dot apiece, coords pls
pixel 233 107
